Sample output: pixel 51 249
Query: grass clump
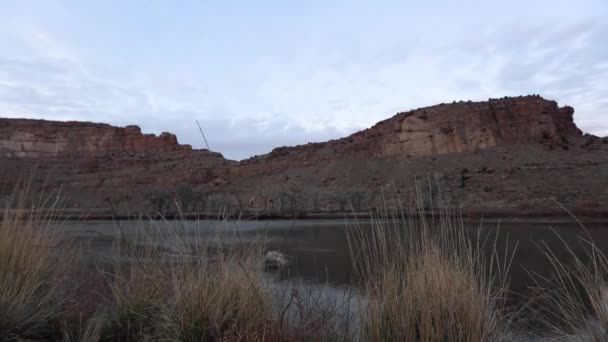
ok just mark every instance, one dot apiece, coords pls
pixel 419 280
pixel 572 304
pixel 428 281
pixel 432 298
pixel 218 302
pixel 133 307
pixel 30 265
pixel 187 289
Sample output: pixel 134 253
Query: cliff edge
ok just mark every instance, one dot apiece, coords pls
pixel 27 138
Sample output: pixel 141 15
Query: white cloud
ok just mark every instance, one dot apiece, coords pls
pixel 310 83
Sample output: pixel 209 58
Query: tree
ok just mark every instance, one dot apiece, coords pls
pixel 266 197
pixel 341 197
pixel 350 199
pixel 186 196
pixel 159 199
pixel 357 199
pixel 200 200
pixel 214 203
pixel 294 198
pixel 242 201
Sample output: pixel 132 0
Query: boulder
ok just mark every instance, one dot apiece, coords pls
pixel 276 259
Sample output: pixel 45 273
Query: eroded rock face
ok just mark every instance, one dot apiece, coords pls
pixel 441 129
pixel 500 153
pixel 472 126
pixel 445 128
pixel 42 139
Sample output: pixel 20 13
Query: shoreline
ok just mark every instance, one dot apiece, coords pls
pixel 547 215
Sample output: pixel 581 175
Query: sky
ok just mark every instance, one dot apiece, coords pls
pixel 262 74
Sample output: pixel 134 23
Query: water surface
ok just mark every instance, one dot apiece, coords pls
pixel 320 249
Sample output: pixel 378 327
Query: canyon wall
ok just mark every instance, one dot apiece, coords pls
pixel 442 129
pixel 471 126
pixel 502 153
pixel 445 128
pixel 42 139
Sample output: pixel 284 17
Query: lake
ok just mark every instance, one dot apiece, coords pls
pixel 320 250
pixel 321 255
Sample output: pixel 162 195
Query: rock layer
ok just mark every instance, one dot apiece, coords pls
pixel 503 153
pixel 471 126
pixel 42 139
pixel 445 128
pixel 436 130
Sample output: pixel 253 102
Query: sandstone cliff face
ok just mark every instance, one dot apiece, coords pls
pixel 441 129
pixel 500 153
pixel 445 128
pixel 42 139
pixel 471 126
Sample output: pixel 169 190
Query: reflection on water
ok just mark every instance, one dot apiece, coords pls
pixel 321 253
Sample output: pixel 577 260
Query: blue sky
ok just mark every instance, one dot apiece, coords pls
pixel 262 74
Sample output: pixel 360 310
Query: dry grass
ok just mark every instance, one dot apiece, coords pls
pixel 432 298
pixel 29 272
pixel 161 284
pixel 315 313
pixel 188 289
pixel 427 281
pixel 176 285
pixel 89 330
pixel 419 280
pixel 218 302
pixel 573 303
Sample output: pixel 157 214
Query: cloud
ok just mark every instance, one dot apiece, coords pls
pixel 57 89
pixel 261 83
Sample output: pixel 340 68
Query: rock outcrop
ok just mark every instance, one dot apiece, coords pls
pixel 523 152
pixel 436 130
pixel 42 139
pixel 472 126
pixel 445 128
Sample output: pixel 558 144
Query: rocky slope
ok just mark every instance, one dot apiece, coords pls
pixel 516 153
pixel 437 130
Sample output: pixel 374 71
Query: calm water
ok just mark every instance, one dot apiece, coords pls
pixel 320 249
pixel 321 253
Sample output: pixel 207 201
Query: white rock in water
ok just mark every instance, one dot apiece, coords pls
pixel 276 259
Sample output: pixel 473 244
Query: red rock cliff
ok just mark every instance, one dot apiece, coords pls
pixel 471 126
pixel 445 128
pixel 40 138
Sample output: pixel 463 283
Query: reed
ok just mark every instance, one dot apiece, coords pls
pixel 178 285
pixel 572 303
pixel 428 279
pixel 31 267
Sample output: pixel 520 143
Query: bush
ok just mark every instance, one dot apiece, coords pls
pixel 159 199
